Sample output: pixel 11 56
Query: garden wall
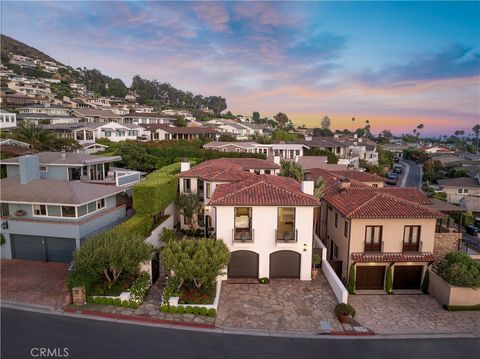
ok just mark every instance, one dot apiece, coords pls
pixel 174 300
pixel 445 243
pixel 447 294
pixel 154 238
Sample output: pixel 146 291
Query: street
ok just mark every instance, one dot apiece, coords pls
pixel 411 176
pixel 24 334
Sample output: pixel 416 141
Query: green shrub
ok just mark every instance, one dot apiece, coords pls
pixel 461 308
pixel 140 287
pixel 76 278
pixel 212 312
pixel 164 308
pixel 117 302
pixel 180 309
pixel 196 310
pixel 168 235
pixel 171 288
pixel 109 301
pixel 264 280
pixel 459 269
pixel 345 309
pixel 133 304
pixel 90 299
pixel 98 300
pixel 172 309
pixel 203 311
pixel 125 303
pixel 138 224
pixel 389 281
pixel 426 282
pixel 351 280
pixel 188 309
pixel 2 239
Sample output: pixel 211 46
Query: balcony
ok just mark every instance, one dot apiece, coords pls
pixel 412 247
pixel 243 235
pixel 373 247
pixel 288 236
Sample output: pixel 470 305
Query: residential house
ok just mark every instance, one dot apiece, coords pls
pixel 460 187
pixel 93 115
pixel 282 150
pixel 147 118
pixel 38 113
pixel 47 219
pixel 12 147
pixel 311 162
pixel 169 132
pixel 30 88
pixel 436 150
pixel 19 99
pixel 7 119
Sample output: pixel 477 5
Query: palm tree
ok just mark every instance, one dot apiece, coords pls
pixel 291 169
pixel 367 128
pixel 419 127
pixel 319 187
pixel 476 131
pixel 31 134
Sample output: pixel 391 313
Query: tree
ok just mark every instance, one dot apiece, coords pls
pixel 367 128
pixel 326 123
pixel 200 261
pixel 476 131
pixel 459 269
pixel 430 170
pixel 319 187
pixel 111 254
pixel 256 117
pixel 386 134
pixel 189 205
pixel 180 122
pixel 322 132
pixel 31 134
pixel 283 135
pixel 291 169
pixel 281 119
pixel 360 132
pixel 419 128
pixel 117 88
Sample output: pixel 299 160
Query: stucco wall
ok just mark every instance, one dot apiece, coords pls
pixel 445 243
pixel 450 295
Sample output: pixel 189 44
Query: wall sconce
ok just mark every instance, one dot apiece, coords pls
pixel 305 247
pixel 207 208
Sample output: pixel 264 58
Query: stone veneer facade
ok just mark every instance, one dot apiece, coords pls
pixel 445 243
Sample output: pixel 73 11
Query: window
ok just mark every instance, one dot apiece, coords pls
pixel 39 210
pixel 186 185
pixel 224 149
pixel 101 203
pixel 108 133
pixel 460 190
pixel 411 238
pixel 267 172
pixel 92 207
pixel 79 136
pixel 465 190
pixel 208 186
pixel 43 168
pixel 256 172
pixel 373 238
pixel 286 224
pixel 336 220
pixel 82 210
pixel 243 224
pixel 374 185
pixel 68 211
pixel 4 209
pixel 54 211
pixel 345 228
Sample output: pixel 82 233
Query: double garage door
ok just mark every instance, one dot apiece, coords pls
pixel 373 277
pixel 39 248
pixel 283 264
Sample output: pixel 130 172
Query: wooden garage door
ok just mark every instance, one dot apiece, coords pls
pixel 285 264
pixel 407 277
pixel 243 264
pixel 370 277
pixel 38 248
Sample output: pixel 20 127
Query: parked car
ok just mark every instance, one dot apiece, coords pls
pixel 397 159
pixel 397 168
pixel 472 230
pixel 392 178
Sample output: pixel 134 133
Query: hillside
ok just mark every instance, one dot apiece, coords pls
pixel 19 48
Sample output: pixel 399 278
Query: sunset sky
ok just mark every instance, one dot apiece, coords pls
pixel 396 64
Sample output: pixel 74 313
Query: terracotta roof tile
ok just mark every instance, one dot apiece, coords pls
pixel 393 257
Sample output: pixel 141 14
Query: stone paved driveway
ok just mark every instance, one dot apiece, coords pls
pixel 411 314
pixel 33 282
pixel 288 305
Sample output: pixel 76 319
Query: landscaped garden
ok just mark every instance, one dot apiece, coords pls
pixel 460 270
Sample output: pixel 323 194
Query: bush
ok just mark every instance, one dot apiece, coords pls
pixel 426 282
pixel 264 280
pixel 172 309
pixel 171 289
pixel 76 278
pixel 2 239
pixel 345 309
pixel 461 308
pixel 459 269
pixel 351 280
pixel 212 312
pixel 203 311
pixel 140 287
pixel 133 304
pixel 188 309
pixel 117 302
pixel 196 310
pixel 125 303
pixel 389 281
pixel 98 300
pixel 164 308
pixel 180 309
pixel 109 301
pixel 168 235
pixel 90 299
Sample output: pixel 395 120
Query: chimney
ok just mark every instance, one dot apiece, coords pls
pixel 63 155
pixel 307 187
pixel 344 184
pixel 29 167
pixel 184 166
pixel 276 160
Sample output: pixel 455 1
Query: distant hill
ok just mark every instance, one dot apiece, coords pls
pixel 19 48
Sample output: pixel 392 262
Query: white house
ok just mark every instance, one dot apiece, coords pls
pixel 7 119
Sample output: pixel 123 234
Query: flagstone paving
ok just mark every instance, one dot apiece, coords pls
pixel 411 314
pixel 288 305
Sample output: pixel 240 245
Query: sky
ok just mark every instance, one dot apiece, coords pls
pixel 396 64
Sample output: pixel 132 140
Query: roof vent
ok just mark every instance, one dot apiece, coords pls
pixel 344 184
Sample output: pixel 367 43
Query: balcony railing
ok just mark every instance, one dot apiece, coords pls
pixel 243 236
pixel 412 247
pixel 373 247
pixel 286 236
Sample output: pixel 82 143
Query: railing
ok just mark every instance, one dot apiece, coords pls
pixel 286 236
pixel 243 236
pixel 123 178
pixel 373 247
pixel 412 247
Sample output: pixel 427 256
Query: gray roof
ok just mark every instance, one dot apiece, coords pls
pixel 470 203
pixel 86 112
pixel 459 182
pixel 43 106
pixel 52 191
pixel 71 158
pixel 43 116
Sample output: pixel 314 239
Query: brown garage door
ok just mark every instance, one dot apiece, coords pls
pixel 285 264
pixel 243 264
pixel 370 277
pixel 407 277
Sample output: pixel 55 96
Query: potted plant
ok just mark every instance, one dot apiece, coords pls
pixel 343 311
pixel 20 213
pixel 316 260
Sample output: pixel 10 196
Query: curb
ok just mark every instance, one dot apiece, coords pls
pixel 134 318
pixel 353 334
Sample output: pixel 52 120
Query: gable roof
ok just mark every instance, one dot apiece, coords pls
pixel 90 112
pixel 459 182
pixel 262 190
pixel 179 130
pixel 66 158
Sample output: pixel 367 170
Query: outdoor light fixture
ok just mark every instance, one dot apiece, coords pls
pixel 304 247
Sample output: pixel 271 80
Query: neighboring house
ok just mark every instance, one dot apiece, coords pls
pixel 436 150
pixel 68 166
pixel 18 99
pixel 87 132
pixel 311 162
pixel 169 132
pixel 30 87
pixel 11 147
pixel 471 204
pixel 147 118
pixel 449 161
pixel 282 150
pixel 91 148
pixel 7 119
pixel 460 187
pixel 48 219
pixel 55 114
pixel 93 115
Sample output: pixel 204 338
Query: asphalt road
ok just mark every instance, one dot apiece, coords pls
pixel 24 333
pixel 413 174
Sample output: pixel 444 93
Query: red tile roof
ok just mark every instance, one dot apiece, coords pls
pixel 262 190
pixel 393 257
pixel 358 175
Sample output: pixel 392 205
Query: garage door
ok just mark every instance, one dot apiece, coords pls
pixel 285 264
pixel 407 277
pixel 243 264
pixel 40 248
pixel 370 277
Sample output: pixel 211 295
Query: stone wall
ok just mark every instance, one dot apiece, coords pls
pixel 79 296
pixel 445 243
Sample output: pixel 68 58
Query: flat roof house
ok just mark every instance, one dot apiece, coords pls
pixel 158 132
pixel 460 187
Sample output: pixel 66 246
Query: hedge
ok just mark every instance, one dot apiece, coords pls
pixel 137 224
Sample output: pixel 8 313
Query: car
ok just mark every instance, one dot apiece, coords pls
pixel 392 178
pixel 397 159
pixel 397 168
pixel 472 230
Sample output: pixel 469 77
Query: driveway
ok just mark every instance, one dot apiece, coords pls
pixel 411 314
pixel 284 305
pixel 32 282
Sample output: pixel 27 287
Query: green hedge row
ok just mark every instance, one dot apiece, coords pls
pixel 165 308
pixel 117 302
pixel 461 308
pixel 137 224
